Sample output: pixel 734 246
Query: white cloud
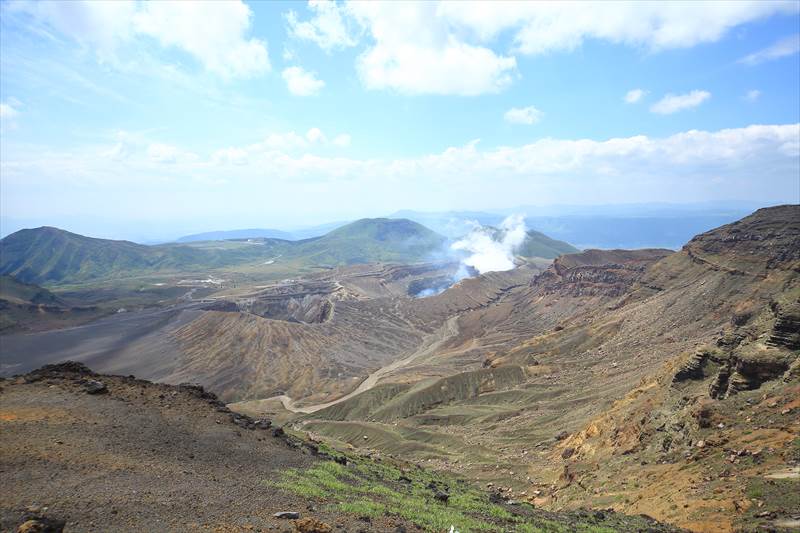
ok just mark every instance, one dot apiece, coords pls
pixel 163 153
pixel 102 26
pixel 634 95
pixel 550 26
pixel 756 163
pixel 414 51
pixel 672 103
pixel 343 140
pixel 230 156
pixel 315 135
pixel 301 82
pixel 169 154
pixel 213 32
pixel 329 27
pixel 283 141
pixel 752 95
pixel 446 47
pixel 288 54
pixel 523 115
pixel 278 145
pixel 785 47
pixel 7 112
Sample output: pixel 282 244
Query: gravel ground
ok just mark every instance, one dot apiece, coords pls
pixel 143 457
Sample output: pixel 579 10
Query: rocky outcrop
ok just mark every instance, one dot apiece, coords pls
pixel 693 368
pixel 786 332
pixel 607 273
pixel 765 240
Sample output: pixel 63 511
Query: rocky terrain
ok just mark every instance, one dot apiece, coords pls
pixel 583 386
pixel 88 452
pixel 646 381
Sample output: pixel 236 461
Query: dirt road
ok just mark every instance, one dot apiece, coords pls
pixel 428 347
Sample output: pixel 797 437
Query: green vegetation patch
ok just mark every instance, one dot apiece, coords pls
pixel 779 498
pixel 370 489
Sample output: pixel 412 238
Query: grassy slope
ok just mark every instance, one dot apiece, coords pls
pixel 53 256
pixel 370 489
pixel 15 291
pixel 538 244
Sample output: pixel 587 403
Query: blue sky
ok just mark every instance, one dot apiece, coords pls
pixel 183 117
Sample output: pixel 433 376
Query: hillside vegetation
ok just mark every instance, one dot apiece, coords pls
pixel 537 244
pixel 51 256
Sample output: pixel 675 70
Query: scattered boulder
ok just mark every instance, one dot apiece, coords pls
pixel 561 436
pixel 263 424
pixel 567 453
pixel 94 386
pixel 442 496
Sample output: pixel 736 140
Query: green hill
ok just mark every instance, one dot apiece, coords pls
pixel 14 291
pixel 538 244
pixel 52 256
pixel 372 239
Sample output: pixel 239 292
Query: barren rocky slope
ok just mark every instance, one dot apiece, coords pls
pixel 86 452
pixel 647 381
pixel 615 353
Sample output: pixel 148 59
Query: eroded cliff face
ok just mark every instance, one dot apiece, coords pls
pixel 609 273
pixel 710 438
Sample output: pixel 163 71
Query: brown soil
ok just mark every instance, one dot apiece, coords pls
pixel 142 457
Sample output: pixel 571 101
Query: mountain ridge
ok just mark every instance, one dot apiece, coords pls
pixel 50 255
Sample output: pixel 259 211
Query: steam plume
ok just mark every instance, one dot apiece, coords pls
pixel 489 250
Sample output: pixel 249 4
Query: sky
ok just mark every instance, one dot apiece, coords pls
pixel 154 119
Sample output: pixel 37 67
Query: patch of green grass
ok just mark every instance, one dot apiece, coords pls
pixel 362 508
pixel 755 491
pixel 368 488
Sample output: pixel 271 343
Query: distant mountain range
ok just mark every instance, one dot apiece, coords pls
pixel 254 233
pixel 627 227
pixel 53 256
pixel 261 233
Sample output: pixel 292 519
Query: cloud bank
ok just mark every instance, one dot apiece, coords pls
pixel 451 47
pixel 757 162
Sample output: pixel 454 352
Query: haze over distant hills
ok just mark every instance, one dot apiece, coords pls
pixel 253 233
pixel 51 255
pixel 601 226
pixel 585 226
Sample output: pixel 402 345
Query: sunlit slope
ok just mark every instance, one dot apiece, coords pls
pixel 642 371
pixel 52 256
pixel 537 244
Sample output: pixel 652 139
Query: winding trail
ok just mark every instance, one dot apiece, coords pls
pixel 428 347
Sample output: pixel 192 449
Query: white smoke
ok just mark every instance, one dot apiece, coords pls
pixel 490 250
